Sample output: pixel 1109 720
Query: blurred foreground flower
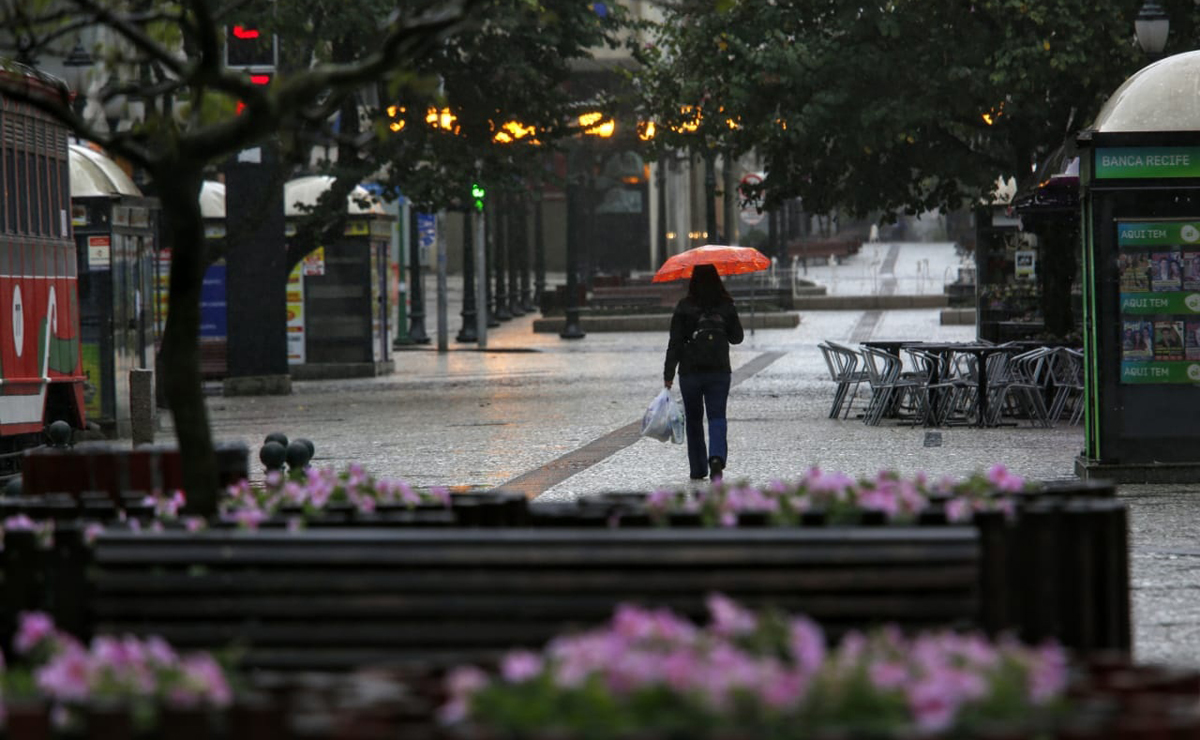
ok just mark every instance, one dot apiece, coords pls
pixel 762 675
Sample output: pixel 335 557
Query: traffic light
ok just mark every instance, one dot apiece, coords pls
pixel 250 48
pixel 256 78
pixel 477 193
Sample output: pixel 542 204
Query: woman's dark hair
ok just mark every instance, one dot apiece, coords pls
pixel 706 287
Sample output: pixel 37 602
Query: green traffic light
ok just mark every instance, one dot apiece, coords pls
pixel 477 192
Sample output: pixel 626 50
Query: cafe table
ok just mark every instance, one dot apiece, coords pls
pixel 981 353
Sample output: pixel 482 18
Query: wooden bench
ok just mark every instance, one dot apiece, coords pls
pixel 823 249
pixel 337 597
pixel 119 471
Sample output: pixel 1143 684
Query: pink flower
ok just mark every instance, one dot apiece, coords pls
pixel 19 523
pixel 679 669
pixel 520 666
pixel 67 676
pixel 91 531
pixel 932 705
pixel 807 643
pixel 202 672
pixel 34 627
pixel 249 518
pixel 728 618
pixel 440 494
pixel 1004 480
pixel 887 675
pixel 465 680
pixel 1048 674
pixel 958 509
pixel 160 652
pixel 110 653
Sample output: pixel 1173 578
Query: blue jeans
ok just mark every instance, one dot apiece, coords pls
pixel 704 392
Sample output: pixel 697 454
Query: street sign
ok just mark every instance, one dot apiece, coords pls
pixel 750 213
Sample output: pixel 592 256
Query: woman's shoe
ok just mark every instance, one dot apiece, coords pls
pixel 716 468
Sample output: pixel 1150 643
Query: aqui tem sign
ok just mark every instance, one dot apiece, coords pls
pixel 750 213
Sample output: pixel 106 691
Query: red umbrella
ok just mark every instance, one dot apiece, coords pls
pixel 728 261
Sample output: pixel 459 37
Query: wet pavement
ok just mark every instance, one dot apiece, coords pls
pixel 553 417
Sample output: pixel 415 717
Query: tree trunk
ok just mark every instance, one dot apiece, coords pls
pixel 179 193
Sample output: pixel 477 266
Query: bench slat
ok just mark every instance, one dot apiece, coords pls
pixel 495 608
pixel 949 574
pixel 466 621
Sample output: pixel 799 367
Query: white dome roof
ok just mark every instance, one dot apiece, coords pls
pixel 212 199
pixel 93 174
pixel 1165 96
pixel 306 190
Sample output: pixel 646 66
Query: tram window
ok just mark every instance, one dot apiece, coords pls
pixel 43 176
pixel 4 160
pixel 10 171
pixel 22 212
pixel 52 204
pixel 37 187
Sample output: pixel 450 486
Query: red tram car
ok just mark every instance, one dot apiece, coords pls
pixel 41 374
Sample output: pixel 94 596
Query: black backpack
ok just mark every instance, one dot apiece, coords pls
pixel 708 347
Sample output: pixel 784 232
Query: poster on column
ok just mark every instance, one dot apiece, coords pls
pixel 295 317
pixel 1158 266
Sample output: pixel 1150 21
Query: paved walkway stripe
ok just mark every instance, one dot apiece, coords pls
pixel 536 482
pixel 866 324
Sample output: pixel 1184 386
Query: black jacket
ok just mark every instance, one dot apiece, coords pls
pixel 683 325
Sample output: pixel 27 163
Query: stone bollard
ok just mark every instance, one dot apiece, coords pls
pixel 141 405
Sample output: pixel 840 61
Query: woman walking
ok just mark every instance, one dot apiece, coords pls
pixel 705 323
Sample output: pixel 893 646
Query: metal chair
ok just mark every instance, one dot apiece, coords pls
pixel 1017 384
pixel 891 394
pixel 842 363
pixel 1065 368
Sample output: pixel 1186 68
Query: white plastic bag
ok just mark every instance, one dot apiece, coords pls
pixel 663 419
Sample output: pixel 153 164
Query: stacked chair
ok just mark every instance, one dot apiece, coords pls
pixel 843 365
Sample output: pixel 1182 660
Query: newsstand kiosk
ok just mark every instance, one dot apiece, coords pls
pixel 1140 195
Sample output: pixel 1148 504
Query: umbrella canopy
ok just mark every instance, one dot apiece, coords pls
pixel 727 260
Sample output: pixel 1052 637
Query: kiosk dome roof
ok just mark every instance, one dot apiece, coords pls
pixel 1164 96
pixel 307 189
pixel 212 199
pixel 93 174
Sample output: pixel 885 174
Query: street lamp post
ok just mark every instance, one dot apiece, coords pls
pixel 660 180
pixel 76 64
pixel 526 288
pixel 539 250
pixel 1151 27
pixel 491 223
pixel 710 196
pixel 416 317
pixel 513 247
pixel 575 185
pixel 503 230
pixel 469 331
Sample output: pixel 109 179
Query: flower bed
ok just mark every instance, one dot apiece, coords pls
pixel 650 674
pixel 53 668
pixel 328 498
pixel 765 675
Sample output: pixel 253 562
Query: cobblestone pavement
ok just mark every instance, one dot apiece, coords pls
pixel 553 417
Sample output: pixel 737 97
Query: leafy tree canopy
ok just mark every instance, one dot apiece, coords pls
pixel 901 104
